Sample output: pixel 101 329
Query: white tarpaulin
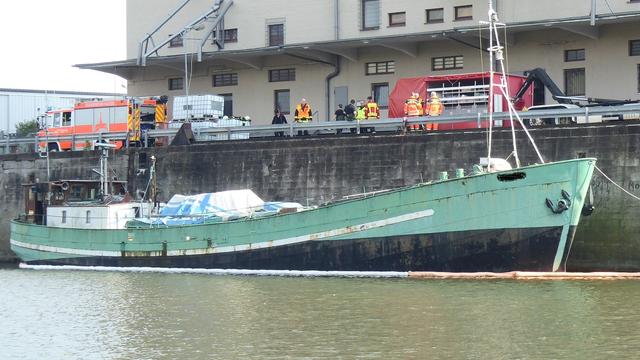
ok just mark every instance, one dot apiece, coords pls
pixel 223 204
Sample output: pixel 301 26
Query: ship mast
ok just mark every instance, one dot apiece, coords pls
pixel 496 54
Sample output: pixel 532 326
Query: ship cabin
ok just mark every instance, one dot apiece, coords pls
pixel 79 204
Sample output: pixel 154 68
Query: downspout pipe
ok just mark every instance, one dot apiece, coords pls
pixel 593 13
pixel 333 74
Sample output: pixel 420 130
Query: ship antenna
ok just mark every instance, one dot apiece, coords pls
pixel 496 52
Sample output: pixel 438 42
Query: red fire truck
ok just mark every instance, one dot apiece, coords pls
pixel 129 115
pixel 461 94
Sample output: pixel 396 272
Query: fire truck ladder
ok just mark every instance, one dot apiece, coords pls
pixel 213 17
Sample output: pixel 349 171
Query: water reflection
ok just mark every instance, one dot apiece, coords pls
pixel 134 316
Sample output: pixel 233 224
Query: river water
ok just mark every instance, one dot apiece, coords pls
pixel 111 315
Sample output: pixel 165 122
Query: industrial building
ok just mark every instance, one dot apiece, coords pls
pixel 265 54
pixel 18 105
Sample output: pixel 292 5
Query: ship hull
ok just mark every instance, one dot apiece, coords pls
pixel 489 222
pixel 531 249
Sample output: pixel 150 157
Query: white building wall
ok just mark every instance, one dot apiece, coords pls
pixel 610 71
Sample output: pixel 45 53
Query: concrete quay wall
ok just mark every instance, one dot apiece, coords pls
pixel 312 170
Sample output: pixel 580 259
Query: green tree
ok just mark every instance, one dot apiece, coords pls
pixel 27 127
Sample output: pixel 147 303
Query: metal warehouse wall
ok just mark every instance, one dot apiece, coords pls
pixel 20 105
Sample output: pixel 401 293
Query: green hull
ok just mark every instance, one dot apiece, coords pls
pixel 488 222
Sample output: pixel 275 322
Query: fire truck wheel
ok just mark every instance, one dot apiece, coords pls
pixel 53 147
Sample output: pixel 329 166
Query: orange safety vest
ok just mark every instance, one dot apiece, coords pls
pixel 303 114
pixel 435 108
pixel 372 110
pixel 412 108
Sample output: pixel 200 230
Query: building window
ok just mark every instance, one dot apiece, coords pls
pixel 64 216
pixel 634 47
pixel 370 14
pixel 276 35
pixel 463 12
pixel 574 55
pixel 398 19
pixel 176 83
pixel 380 68
pixel 176 41
pixel 574 82
pixel 229 79
pixel 435 16
pixel 381 94
pixel 281 101
pixel 282 75
pixel 230 35
pixel 88 219
pixel 447 63
pixel 638 78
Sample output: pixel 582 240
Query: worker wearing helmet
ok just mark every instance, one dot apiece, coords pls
pixel 303 114
pixel 372 111
pixel 412 107
pixel 434 108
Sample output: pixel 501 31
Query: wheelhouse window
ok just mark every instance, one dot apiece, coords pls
pixel 176 83
pixel 176 41
pixel 381 94
pixel 278 75
pixel 276 35
pixel 574 82
pixel 574 55
pixel 463 12
pixel 370 14
pixel 398 19
pixel 435 16
pixel 380 67
pixel 282 101
pixel 447 63
pixel 229 79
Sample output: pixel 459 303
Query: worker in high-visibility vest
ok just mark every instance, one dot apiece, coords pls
pixel 361 113
pixel 372 112
pixel 413 108
pixel 303 114
pixel 434 108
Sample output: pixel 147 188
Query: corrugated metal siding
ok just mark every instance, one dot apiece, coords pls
pixel 16 107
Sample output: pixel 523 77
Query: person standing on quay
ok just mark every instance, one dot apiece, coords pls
pixel 340 116
pixel 350 112
pixel 372 112
pixel 303 115
pixel 279 118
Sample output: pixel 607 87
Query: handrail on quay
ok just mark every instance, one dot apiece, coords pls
pixel 586 115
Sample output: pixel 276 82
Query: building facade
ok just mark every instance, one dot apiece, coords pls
pixel 271 53
pixel 18 105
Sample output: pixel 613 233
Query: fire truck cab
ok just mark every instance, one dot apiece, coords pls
pixel 130 116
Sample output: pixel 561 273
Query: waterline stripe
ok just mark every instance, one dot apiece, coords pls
pixel 225 249
pixel 287 273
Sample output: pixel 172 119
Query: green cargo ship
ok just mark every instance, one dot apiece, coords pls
pixel 514 219
pixel 521 219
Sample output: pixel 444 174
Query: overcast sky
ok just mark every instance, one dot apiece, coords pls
pixel 43 39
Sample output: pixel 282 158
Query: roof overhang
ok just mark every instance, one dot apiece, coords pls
pixel 325 52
